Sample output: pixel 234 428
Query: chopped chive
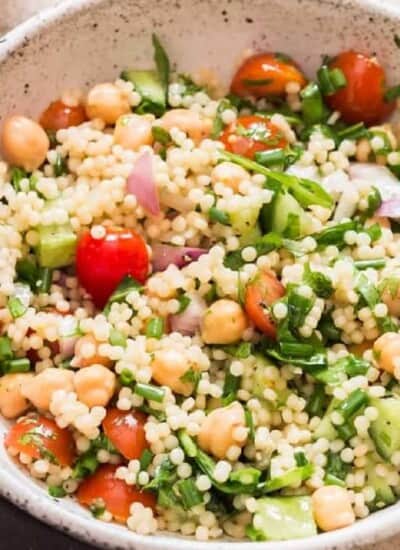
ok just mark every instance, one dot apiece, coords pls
pixel 392 93
pixel 218 216
pixel 16 176
pixel 56 491
pixel 313 107
pixel 316 402
pixel 146 459
pixel 6 352
pixel 300 458
pixel 353 403
pixel 44 280
pixel 60 166
pixel 150 392
pixel 324 79
pixel 346 431
pixel 155 328
pixel 126 377
pixel 378 263
pixel 331 479
pixel 117 338
pixel 15 307
pixel 187 444
pixel 184 301
pixel 18 365
pixel 337 78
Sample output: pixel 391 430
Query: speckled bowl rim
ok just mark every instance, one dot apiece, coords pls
pixel 29 496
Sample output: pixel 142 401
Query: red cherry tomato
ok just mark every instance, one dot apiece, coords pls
pixel 250 134
pixel 126 432
pixel 40 437
pixel 362 99
pixel 266 74
pixel 262 291
pixel 115 493
pixel 101 264
pixel 58 116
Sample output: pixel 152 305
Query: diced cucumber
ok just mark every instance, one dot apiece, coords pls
pixel 280 215
pixel 325 428
pixel 57 244
pixel 151 89
pixel 283 518
pixel 244 222
pixel 385 430
pixel 384 495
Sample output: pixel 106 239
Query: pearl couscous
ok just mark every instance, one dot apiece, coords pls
pixel 199 298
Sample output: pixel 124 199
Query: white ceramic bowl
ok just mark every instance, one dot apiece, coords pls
pixel 86 41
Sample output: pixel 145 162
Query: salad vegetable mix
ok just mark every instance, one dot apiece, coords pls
pixel 200 297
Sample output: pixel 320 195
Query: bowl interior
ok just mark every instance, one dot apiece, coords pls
pixel 87 41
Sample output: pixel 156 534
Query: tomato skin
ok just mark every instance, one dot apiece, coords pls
pixel 101 264
pixel 126 432
pixel 116 494
pixel 263 290
pixel 249 146
pixel 58 116
pixel 276 71
pixel 362 100
pixel 57 441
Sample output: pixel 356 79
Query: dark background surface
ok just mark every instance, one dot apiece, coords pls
pixel 19 531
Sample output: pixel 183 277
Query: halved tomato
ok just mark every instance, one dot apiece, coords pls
pixel 126 432
pixel 40 437
pixel 116 495
pixel 262 292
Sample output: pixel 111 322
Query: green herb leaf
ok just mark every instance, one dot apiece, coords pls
pixel 162 62
pixel 16 307
pixel 160 135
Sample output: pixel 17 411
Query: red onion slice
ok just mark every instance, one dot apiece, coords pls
pixel 389 209
pixel 165 255
pixel 141 183
pixel 188 322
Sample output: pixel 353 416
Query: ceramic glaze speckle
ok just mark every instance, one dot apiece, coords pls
pixel 86 41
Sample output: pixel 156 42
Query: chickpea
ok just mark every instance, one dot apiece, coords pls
pixel 196 127
pixel 12 401
pixel 387 351
pixel 40 388
pixel 168 367
pixel 217 434
pixel 133 131
pixel 332 508
pixel 391 297
pixel 24 143
pixel 224 323
pixel 108 102
pixel 83 357
pixel 95 385
pixel 229 174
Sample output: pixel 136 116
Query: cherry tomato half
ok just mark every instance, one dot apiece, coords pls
pixel 250 134
pixel 126 432
pixel 40 437
pixel 102 263
pixel 115 493
pixel 266 74
pixel 262 292
pixel 58 116
pixel 362 99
